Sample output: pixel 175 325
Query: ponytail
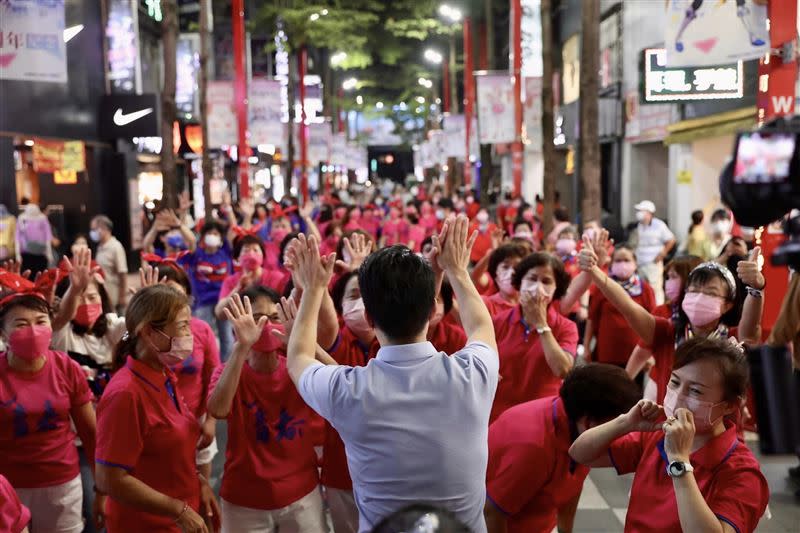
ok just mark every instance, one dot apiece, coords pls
pixel 125 347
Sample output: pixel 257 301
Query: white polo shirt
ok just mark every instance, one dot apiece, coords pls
pixel 652 239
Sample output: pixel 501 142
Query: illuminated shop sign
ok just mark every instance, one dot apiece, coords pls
pixel 675 84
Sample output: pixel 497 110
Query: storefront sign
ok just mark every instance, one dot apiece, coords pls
pixel 264 108
pixel 65 177
pixel 122 34
pixel 125 116
pixel 670 84
pixel 715 32
pixel 32 46
pixel 51 156
pixel 495 108
pixel 221 116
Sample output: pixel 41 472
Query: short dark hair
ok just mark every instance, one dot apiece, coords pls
pixel 100 326
pixel 697 217
pixel 720 214
pixel 729 357
pixel 598 391
pixel 446 293
pixel 538 259
pixel 337 291
pixel 175 273
pixel 261 291
pixel 506 251
pixel 408 518
pixel 398 289
pixel 244 240
pixel 561 214
pixel 211 225
pixel 28 301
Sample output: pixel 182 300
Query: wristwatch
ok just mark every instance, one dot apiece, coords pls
pixel 679 468
pixel 541 331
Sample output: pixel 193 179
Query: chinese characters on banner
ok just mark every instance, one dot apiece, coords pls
pixel 715 32
pixel 222 123
pixel 52 156
pixel 264 107
pixel 32 46
pixel 532 112
pixel 495 108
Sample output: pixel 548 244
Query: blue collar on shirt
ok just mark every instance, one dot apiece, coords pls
pixel 406 352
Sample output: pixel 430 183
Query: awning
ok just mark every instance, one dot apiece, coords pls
pixel 717 125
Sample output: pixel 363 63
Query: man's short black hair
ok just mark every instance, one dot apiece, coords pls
pixel 398 290
pixel 240 243
pixel 538 259
pixel 599 392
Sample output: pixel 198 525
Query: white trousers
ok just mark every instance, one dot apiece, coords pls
pixel 306 515
pixel 55 509
pixel 654 275
pixel 344 513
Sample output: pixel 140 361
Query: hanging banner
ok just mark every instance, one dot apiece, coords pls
pixel 51 156
pixel 319 143
pixel 355 157
pixel 264 107
pixel 454 132
pixel 32 46
pixel 713 33
pixel 436 138
pixel 495 108
pixel 532 112
pixel 339 149
pixel 122 35
pixel 222 123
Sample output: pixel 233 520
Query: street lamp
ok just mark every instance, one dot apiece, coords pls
pixel 451 13
pixel 425 83
pixel 359 99
pixel 338 58
pixel 349 84
pixel 433 56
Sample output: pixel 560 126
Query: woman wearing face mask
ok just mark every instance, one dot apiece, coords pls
pixel 168 236
pixel 147 464
pixel 536 343
pixel 41 391
pixel 708 309
pixel 207 267
pixel 712 481
pixel 249 252
pixel 193 373
pixel 485 229
pixel 615 338
pixel 270 479
pixel 721 225
pixel 395 230
pixel 501 270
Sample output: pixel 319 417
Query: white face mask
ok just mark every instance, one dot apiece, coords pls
pixel 504 282
pixel 212 241
pixel 721 227
pixel 534 287
pixel 355 318
pixel 483 217
pixel 641 216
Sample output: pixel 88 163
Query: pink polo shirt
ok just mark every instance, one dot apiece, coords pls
pixel 194 372
pixel 14 516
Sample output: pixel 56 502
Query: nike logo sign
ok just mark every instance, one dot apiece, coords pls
pixel 123 119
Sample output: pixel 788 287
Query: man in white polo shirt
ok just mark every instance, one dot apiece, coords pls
pixel 414 421
pixel 655 241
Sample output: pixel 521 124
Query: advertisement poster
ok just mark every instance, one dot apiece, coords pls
pixel 454 140
pixel 222 123
pixel 32 46
pixel 532 112
pixel 709 32
pixel 52 156
pixel 264 108
pixel 495 108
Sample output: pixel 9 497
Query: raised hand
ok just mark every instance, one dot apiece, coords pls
pixel 309 268
pixel 240 315
pixel 587 259
pixel 749 270
pixel 306 210
pixel 184 203
pixel 534 308
pixel 15 267
pixel 599 241
pixel 358 247
pixel 454 245
pixel 678 435
pixel 287 312
pixel 80 269
pixel 644 416
pixel 148 276
pixel 497 238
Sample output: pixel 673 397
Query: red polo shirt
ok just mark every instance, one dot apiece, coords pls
pixel 447 337
pixel 524 370
pixel 37 443
pixel 273 278
pixel 496 304
pixel 270 460
pixel 615 338
pixel 347 350
pixel 530 474
pixel 14 516
pixel 663 350
pixel 145 427
pixel 726 472
pixel 194 372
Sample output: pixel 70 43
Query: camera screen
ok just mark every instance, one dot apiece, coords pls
pixel 763 157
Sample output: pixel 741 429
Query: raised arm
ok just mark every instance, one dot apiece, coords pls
pixel 481 268
pixel 749 272
pixel 581 283
pixel 305 213
pixel 80 276
pixel 287 313
pixel 453 246
pixel 640 320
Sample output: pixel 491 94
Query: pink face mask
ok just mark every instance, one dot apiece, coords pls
pixel 702 309
pixel 672 289
pixel 504 282
pixel 355 317
pixel 565 246
pixel 87 314
pixel 251 261
pixel 179 349
pixel 268 342
pixel 30 342
pixel 277 235
pixel 702 411
pixel 623 270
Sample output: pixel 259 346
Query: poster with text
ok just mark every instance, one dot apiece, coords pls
pixel 710 32
pixel 32 46
pixel 222 123
pixel 495 108
pixel 532 112
pixel 264 108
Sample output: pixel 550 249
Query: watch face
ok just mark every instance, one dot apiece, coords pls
pixel 676 469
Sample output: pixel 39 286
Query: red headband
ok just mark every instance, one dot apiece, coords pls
pixel 158 260
pixel 20 286
pixel 279 211
pixel 241 232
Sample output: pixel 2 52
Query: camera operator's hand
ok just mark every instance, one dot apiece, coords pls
pixel 749 270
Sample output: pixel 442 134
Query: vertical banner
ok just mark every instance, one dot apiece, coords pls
pixel 532 112
pixel 122 36
pixel 339 149
pixel 437 144
pixel 32 46
pixel 495 108
pixel 319 143
pixel 221 116
pixel 455 144
pixel 264 109
pixel 714 33
pixel 187 66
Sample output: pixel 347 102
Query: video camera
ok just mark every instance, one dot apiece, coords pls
pixel 761 184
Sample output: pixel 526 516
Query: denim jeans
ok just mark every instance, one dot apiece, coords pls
pixel 221 328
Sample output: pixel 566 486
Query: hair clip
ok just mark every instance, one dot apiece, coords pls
pixel 126 336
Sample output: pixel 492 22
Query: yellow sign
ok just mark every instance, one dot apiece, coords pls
pixel 74 156
pixel 65 177
pixel 684 177
pixel 50 156
pixel 569 166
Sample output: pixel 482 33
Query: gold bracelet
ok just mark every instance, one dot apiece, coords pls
pixel 183 511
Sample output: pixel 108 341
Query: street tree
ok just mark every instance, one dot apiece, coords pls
pixel 548 149
pixel 169 39
pixel 591 199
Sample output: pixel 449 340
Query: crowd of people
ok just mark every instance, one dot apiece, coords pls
pixel 384 361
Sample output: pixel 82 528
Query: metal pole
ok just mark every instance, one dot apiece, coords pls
pixel 240 94
pixel 446 86
pixel 453 80
pixel 469 97
pixel 301 73
pixel 516 66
